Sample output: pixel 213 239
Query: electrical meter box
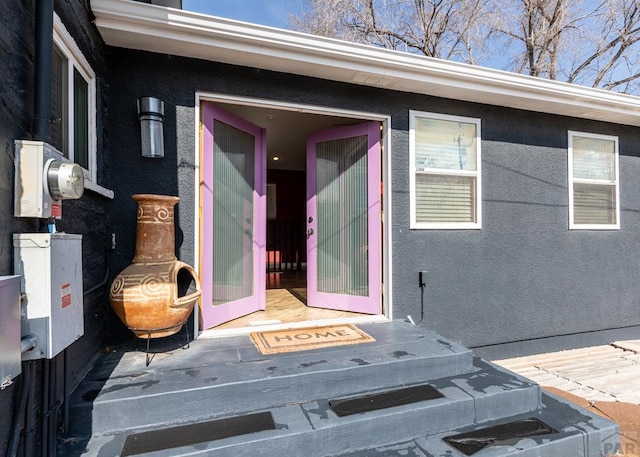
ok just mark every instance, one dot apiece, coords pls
pixel 52 309
pixel 10 357
pixel 43 178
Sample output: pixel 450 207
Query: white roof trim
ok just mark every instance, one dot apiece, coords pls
pixel 136 25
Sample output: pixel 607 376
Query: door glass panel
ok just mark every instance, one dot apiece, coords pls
pixel 233 165
pixel 342 244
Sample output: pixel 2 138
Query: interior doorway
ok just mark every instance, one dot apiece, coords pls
pixel 284 154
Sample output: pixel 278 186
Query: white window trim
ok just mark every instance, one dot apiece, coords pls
pixel 412 173
pixel 76 60
pixel 572 180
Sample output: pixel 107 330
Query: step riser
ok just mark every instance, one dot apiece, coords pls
pixel 569 445
pixel 586 435
pixel 316 429
pixel 573 445
pixel 230 379
pixel 338 438
pixel 594 443
pixel 239 397
pixel 579 435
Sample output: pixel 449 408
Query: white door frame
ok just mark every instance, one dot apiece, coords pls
pixel 386 153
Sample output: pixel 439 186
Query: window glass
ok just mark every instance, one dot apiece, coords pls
pixel 594 204
pixel 445 177
pixel 80 120
pixel 445 144
pixel 59 99
pixel 593 181
pixel 73 101
pixel 594 158
pixel 445 198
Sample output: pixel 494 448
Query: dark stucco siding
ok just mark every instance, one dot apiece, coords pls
pixel 131 173
pixel 86 216
pixel 523 275
pixel 16 112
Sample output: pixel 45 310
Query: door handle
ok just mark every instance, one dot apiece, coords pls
pixel 309 232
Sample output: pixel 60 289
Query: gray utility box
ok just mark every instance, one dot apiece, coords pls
pixel 10 359
pixel 51 269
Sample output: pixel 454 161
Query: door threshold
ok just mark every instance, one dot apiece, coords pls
pixel 221 333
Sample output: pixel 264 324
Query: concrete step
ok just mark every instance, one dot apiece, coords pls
pixel 204 382
pixel 580 433
pixel 223 398
pixel 486 393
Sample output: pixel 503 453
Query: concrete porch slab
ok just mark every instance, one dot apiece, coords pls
pixel 205 380
pixel 228 379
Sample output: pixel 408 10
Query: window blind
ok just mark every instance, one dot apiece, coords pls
pixel 445 158
pixel 445 198
pixel 594 174
pixel 233 167
pixel 594 204
pixel 342 235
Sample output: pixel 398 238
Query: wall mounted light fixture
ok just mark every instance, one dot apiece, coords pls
pixel 151 115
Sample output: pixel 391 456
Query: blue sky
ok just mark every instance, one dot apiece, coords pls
pixel 265 12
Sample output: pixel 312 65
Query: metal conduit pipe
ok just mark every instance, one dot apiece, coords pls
pixel 28 343
pixel 43 53
pixel 44 406
pixel 65 391
pixel 43 61
pixel 19 420
pixel 52 409
pixel 30 431
pixel 105 279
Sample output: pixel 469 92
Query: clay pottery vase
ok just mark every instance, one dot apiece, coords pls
pixel 155 295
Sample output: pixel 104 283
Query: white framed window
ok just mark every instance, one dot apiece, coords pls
pixel 593 182
pixel 445 175
pixel 73 102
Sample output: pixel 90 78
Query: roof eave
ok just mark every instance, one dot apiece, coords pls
pixel 135 25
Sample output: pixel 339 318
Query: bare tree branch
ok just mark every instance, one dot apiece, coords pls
pixel 592 42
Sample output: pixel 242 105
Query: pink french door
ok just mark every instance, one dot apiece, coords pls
pixel 233 216
pixel 343 219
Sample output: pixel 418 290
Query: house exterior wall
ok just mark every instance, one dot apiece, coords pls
pixel 524 275
pixel 16 112
pixel 86 216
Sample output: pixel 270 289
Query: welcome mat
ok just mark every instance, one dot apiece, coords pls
pixel 303 339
